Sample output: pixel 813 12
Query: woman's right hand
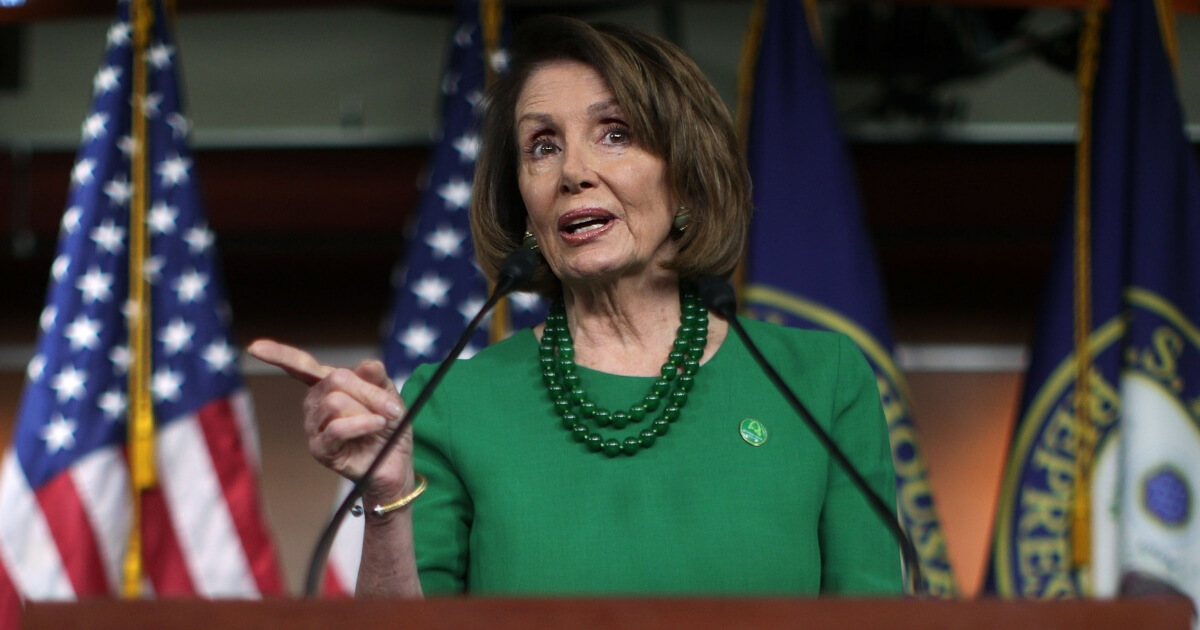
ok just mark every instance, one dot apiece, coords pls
pixel 348 417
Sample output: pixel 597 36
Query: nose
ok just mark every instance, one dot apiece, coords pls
pixel 577 173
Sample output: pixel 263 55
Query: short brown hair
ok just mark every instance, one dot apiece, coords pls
pixel 673 111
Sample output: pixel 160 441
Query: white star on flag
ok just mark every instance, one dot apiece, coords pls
pixel 526 301
pixel 36 366
pixel 159 55
pixel 152 269
pixel 165 384
pixel 130 309
pixel 456 193
pixel 70 220
pixel 418 339
pixel 59 434
pixel 113 403
pixel 81 175
pixel 445 241
pixel 119 356
pixel 149 104
pixel 219 356
pixel 49 315
pixel 119 191
pixel 60 266
pixel 173 170
pixel 161 218
pixel 95 285
pixel 118 34
pixel 177 336
pixel 462 37
pixel 431 289
pixel 95 126
pixel 126 145
pixel 83 332
pixel 199 239
pixel 467 146
pixel 180 125
pixel 469 307
pixel 69 383
pixel 450 82
pixel 190 286
pixel 499 61
pixel 106 79
pixel 109 236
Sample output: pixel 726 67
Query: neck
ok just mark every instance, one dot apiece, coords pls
pixel 629 330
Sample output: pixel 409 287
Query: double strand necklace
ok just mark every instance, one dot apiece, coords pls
pixel 585 420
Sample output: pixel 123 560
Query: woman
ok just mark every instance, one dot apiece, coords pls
pixel 629 445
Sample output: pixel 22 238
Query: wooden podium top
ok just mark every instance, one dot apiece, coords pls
pixel 1156 613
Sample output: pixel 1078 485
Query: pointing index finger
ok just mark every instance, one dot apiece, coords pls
pixel 299 364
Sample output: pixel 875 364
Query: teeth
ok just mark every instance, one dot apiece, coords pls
pixel 586 225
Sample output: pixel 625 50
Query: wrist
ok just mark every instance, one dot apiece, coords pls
pixel 377 505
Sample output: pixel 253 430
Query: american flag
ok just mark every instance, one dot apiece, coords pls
pixel 440 288
pixel 65 497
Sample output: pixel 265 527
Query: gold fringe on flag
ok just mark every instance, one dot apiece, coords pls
pixel 141 409
pixel 1085 433
pixel 1170 36
pixel 751 47
pixel 812 12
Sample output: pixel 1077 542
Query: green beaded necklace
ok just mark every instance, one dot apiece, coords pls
pixel 576 409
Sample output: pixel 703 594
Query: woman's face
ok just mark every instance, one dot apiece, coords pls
pixel 598 201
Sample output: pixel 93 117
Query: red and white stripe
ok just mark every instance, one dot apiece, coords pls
pixel 341 571
pixel 203 531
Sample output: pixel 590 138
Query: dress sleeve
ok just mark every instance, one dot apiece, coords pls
pixel 858 554
pixel 442 515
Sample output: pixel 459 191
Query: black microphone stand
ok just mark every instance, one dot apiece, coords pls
pixel 719 297
pixel 516 268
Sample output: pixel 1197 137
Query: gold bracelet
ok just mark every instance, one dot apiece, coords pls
pixel 381 510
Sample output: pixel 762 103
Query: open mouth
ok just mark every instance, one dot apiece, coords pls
pixel 583 226
pixel 584 222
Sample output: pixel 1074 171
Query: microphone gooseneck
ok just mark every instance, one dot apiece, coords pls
pixel 516 269
pixel 719 297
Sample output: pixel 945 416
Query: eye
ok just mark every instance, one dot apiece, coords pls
pixel 617 134
pixel 541 147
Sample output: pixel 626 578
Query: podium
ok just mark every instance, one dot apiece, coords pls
pixel 1151 613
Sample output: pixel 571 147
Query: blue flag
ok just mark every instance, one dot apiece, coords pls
pixel 65 495
pixel 1142 429
pixel 810 263
pixel 439 289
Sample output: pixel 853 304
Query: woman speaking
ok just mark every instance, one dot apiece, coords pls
pixel 629 445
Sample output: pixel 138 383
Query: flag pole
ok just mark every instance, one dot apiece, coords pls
pixel 491 15
pixel 141 411
pixel 1085 433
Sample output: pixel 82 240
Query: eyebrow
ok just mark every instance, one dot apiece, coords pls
pixel 603 107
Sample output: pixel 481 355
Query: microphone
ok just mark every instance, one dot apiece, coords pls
pixel 718 296
pixel 516 269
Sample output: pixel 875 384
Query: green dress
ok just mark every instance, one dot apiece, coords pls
pixel 516 507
